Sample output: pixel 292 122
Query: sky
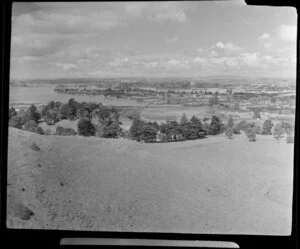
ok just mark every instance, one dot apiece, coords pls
pixel 152 39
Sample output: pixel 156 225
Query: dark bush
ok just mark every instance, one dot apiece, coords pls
pixel 30 125
pixel 22 212
pixel 86 128
pixel 267 127
pixel 40 130
pixel 65 131
pixel 35 147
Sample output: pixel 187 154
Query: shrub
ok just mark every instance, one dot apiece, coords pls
pixel 236 131
pixel 267 126
pixel 251 134
pixel 278 132
pixel 59 130
pixel 86 128
pixel 229 133
pixel 48 132
pixel 65 131
pixel 35 147
pixel 230 123
pixel 22 212
pixel 241 125
pixel 68 132
pixel 289 139
pixel 257 129
pixel 39 130
pixel 12 112
pixel 30 125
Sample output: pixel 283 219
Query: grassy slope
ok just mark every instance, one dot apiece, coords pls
pixel 214 185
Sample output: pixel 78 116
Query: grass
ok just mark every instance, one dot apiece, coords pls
pixel 199 186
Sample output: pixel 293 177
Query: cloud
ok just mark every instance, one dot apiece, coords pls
pixel 199 60
pixel 171 40
pixel 119 62
pixel 287 33
pixel 226 46
pixel 264 36
pixel 267 45
pixel 177 63
pixel 177 16
pixel 66 66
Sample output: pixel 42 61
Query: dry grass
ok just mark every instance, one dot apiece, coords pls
pixel 212 185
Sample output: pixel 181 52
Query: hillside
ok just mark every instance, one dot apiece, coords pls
pixel 213 185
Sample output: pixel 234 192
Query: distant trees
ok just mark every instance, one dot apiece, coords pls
pixel 32 114
pixel 183 119
pixel 86 128
pixel 143 131
pixel 216 126
pixel 213 100
pixel 112 128
pixel 267 127
pixel 256 114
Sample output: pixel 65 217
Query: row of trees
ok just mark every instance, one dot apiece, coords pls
pixel 98 120
pixel 174 131
pixel 251 130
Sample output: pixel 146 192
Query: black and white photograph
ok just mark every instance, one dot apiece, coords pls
pixel 156 117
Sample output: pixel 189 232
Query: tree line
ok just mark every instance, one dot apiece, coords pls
pixel 102 121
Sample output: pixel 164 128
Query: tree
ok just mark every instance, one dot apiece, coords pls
pixel 251 135
pixel 85 128
pixel 83 112
pixel 163 137
pixel 216 126
pixel 12 112
pixel 267 126
pixel 229 133
pixel 30 125
pixel 278 131
pixel 32 114
pixel 135 129
pixel 16 122
pixel 242 125
pixel 184 119
pixel 112 129
pixel 230 123
pixel 148 133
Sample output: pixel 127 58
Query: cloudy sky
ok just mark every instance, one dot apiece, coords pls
pixel 154 39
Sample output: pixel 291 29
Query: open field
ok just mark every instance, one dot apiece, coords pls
pixel 212 185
